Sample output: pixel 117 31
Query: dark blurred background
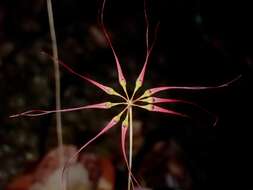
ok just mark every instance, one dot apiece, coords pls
pixel 200 42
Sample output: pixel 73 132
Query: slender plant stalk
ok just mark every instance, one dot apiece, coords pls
pixel 57 81
pixel 130 145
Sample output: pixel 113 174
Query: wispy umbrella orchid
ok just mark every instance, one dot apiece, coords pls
pixel 146 101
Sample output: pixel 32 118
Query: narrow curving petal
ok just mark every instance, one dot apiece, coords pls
pixel 106 89
pixel 154 108
pixel 124 129
pixel 121 77
pixel 155 90
pixel 154 100
pixel 112 123
pixel 141 76
pixel 33 113
pixel 147 25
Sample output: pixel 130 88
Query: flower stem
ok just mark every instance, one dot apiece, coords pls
pixel 130 145
pixel 57 81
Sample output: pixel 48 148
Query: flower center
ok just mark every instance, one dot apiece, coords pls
pixel 129 103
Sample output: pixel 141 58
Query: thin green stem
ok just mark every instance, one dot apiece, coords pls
pixel 130 145
pixel 136 105
pixel 127 97
pixel 133 94
pixel 57 81
pixel 138 99
pixel 119 103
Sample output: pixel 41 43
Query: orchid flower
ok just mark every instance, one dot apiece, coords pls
pixel 146 101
